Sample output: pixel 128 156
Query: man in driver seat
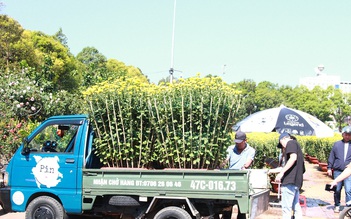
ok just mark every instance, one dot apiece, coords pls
pixel 60 132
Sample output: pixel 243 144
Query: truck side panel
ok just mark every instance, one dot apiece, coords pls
pixel 199 184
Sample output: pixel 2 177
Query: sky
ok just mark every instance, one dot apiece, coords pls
pixel 279 41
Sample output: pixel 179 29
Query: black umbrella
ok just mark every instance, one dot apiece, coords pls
pixel 284 119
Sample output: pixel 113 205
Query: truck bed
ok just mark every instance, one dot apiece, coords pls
pixel 191 183
pixel 213 184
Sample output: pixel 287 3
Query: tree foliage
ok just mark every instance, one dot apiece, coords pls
pixel 57 66
pixel 11 32
pixel 98 69
pixel 267 95
pixel 248 104
pixel 61 37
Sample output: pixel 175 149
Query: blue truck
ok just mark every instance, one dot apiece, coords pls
pixel 56 174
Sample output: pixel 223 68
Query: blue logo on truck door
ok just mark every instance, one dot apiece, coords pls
pixel 46 172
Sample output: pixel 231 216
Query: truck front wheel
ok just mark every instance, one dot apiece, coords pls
pixel 172 213
pixel 45 207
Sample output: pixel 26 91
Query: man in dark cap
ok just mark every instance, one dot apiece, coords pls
pixel 339 158
pixel 241 155
pixel 291 176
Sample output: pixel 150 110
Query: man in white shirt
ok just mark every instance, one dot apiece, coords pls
pixel 241 155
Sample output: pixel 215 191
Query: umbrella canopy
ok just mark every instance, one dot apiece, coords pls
pixel 284 119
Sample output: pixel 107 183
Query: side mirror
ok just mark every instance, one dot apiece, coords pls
pixel 26 149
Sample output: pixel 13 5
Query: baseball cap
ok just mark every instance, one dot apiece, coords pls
pixel 282 135
pixel 240 137
pixel 346 129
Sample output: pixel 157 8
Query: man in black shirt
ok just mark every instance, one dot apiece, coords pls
pixel 291 176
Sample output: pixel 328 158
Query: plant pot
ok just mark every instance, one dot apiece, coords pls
pixel 313 160
pixel 275 186
pixel 323 166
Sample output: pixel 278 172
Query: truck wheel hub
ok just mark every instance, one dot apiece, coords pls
pixel 44 213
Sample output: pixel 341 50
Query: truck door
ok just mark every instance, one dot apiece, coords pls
pixel 52 165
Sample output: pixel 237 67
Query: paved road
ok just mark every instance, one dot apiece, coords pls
pixel 319 202
pixel 11 215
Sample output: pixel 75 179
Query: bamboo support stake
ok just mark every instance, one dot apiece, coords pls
pixel 105 131
pixel 168 132
pixel 160 127
pixel 111 150
pixel 120 163
pixel 183 129
pixel 122 124
pixel 131 137
pixel 174 133
pixel 191 130
pixel 95 121
pixel 208 131
pixel 200 134
pixel 140 136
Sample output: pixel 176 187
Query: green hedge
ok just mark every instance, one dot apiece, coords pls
pixel 266 146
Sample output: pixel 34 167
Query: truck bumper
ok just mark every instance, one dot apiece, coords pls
pixel 5 200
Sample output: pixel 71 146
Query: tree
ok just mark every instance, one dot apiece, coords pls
pixel 98 69
pixel 314 102
pixel 61 37
pixel 322 102
pixel 117 69
pixel 11 32
pixel 24 50
pixel 340 108
pixel 268 96
pixel 57 66
pixel 90 56
pixel 248 105
pixel 94 66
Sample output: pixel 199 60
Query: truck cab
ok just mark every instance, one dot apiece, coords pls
pixel 48 164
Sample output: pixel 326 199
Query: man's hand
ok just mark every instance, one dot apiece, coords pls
pixel 332 184
pixel 279 177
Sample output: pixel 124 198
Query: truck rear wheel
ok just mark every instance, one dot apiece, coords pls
pixel 172 213
pixel 45 207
